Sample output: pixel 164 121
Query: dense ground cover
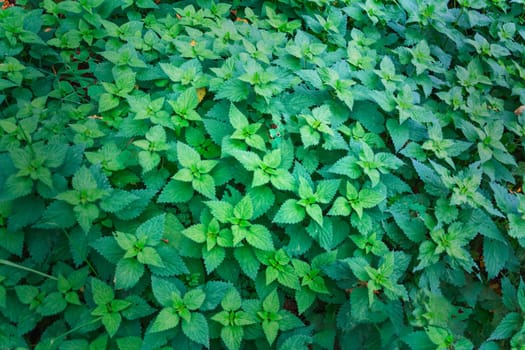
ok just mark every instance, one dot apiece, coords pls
pixel 289 174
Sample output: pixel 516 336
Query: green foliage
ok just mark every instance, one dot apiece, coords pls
pixel 271 175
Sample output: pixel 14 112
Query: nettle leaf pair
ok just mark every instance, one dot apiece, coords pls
pixel 362 159
pixel 109 309
pixel 146 247
pixel 194 174
pixel 180 308
pixel 213 238
pixel 358 200
pixel 269 169
pixel 293 211
pixel 317 126
pixel 54 296
pixel 383 278
pixel 312 281
pixel 32 165
pixel 239 217
pixel 89 186
pixel 233 319
pixel 451 240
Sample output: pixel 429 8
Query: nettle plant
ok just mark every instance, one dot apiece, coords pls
pixel 271 175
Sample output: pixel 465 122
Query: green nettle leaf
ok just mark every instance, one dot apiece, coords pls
pixel 213 258
pixel 176 192
pixel 149 256
pixel 270 329
pixel 244 209
pixel 232 300
pixel 128 273
pixel 111 322
pixel 107 102
pixel 304 298
pixel 194 299
pixel 196 328
pixel 186 155
pixel 222 211
pixel 508 326
pixel 164 291
pixel 259 237
pixel 290 212
pixel 196 233
pixel 232 337
pixel 167 318
pixel 52 304
pixel 247 260
pixel 102 293
pixel 26 294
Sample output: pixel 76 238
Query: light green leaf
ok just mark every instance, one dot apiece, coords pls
pixel 304 298
pixel 341 207
pixel 290 212
pixel 149 256
pixel 517 226
pixel 283 180
pixel 128 273
pixel 166 319
pixel 309 136
pixel 184 175
pixel 326 190
pixel 260 178
pixel 196 329
pixel 126 241
pixel 259 237
pixel 237 119
pixel 187 156
pixel 148 160
pixel 84 180
pixel 271 274
pixel 152 229
pixel 196 233
pixel 232 337
pixel 205 184
pixel 85 215
pixel 220 210
pixel 347 166
pixel 287 277
pixel 164 291
pixel 222 317
pixel 244 209
pixel 249 160
pixel 232 300
pixel 53 304
pixel 213 258
pixel 271 302
pixel 315 212
pixel 369 197
pixel 270 329
pixel 111 322
pixel 107 102
pixel 194 298
pixel 256 142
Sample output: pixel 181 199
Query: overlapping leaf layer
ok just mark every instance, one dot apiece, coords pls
pixel 286 174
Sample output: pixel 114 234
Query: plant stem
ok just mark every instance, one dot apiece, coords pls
pixel 21 267
pixel 79 327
